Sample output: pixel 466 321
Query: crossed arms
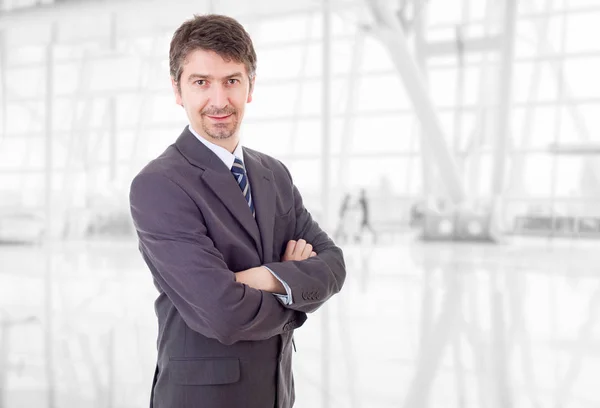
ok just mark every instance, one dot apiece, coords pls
pixel 212 299
pixel 261 278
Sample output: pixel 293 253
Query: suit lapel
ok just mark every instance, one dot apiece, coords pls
pixel 263 194
pixel 219 179
pixel 226 188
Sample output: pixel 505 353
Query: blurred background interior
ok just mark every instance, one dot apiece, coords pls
pixel 451 148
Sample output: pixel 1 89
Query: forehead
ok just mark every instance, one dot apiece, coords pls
pixel 204 62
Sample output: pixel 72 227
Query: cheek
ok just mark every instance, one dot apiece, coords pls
pixel 193 104
pixel 240 104
pixel 193 98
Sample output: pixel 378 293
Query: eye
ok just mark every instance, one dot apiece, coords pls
pixel 201 82
pixel 233 81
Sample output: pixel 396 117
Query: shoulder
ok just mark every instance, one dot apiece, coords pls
pixel 275 165
pixel 169 166
pixel 169 158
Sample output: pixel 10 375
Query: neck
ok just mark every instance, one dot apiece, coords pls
pixel 228 144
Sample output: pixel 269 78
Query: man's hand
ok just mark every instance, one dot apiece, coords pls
pixel 298 251
pixel 260 278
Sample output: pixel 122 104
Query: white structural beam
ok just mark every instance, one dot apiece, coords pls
pixel 516 183
pixel 426 156
pixel 579 149
pixel 325 190
pixel 573 109
pixel 558 121
pixel 49 218
pixel 3 86
pixel 347 136
pixel 505 95
pixel 112 110
pixel 300 85
pixel 48 130
pixel 67 11
pixel 467 45
pixel 390 32
pixel 3 90
pixel 459 97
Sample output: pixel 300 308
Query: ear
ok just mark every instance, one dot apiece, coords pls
pixel 251 89
pixel 178 100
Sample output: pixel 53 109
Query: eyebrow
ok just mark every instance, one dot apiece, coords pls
pixel 204 76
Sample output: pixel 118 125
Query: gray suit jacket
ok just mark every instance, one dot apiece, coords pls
pixel 222 344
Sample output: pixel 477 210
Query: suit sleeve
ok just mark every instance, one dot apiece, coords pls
pixel 314 280
pixel 192 272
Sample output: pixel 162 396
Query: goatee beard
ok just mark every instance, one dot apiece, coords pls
pixel 220 131
pixel 219 134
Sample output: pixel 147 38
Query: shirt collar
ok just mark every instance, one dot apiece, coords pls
pixel 222 153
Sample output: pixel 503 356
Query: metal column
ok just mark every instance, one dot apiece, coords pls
pixel 505 93
pixel 3 90
pixel 391 33
pixel 49 166
pixel 112 110
pixel 325 188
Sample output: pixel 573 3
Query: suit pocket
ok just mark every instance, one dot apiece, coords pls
pixel 285 213
pixel 204 371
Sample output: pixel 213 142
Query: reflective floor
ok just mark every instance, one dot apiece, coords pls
pixel 416 325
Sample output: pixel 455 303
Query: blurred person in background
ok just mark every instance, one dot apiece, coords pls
pixel 236 258
pixel 341 233
pixel 365 220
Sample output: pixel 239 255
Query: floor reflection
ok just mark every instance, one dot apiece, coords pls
pixel 417 325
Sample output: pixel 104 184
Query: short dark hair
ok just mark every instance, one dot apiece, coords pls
pixel 212 32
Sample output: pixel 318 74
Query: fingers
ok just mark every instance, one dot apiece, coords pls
pixel 308 249
pixel 297 254
pixel 298 251
pixel 289 251
pixel 291 246
pixel 303 250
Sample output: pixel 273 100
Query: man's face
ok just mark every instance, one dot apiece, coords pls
pixel 213 93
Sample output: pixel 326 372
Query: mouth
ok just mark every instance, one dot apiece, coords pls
pixel 219 118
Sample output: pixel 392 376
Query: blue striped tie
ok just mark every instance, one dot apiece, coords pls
pixel 239 172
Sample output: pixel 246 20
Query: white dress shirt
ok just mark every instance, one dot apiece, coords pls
pixel 228 158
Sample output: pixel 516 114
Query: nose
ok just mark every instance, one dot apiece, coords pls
pixel 220 98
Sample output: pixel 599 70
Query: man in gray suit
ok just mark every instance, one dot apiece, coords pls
pixel 237 259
